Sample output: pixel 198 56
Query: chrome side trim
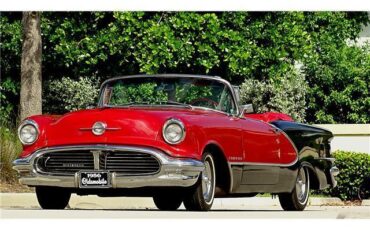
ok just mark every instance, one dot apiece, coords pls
pixel 264 164
pixel 231 177
pixel 182 172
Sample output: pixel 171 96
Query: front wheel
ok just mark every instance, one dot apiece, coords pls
pixel 202 195
pixel 167 202
pixel 297 200
pixel 52 197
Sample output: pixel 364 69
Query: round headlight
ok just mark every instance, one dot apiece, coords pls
pixel 28 132
pixel 173 131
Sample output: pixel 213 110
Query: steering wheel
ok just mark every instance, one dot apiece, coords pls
pixel 203 101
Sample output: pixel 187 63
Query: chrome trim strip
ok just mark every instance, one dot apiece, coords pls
pixel 215 78
pixel 263 164
pixel 96 155
pixel 331 159
pixel 231 178
pixel 180 172
pixel 89 129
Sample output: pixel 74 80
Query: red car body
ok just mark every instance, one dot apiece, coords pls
pixel 240 139
pixel 253 153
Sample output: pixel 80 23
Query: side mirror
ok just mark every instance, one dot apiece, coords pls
pixel 248 108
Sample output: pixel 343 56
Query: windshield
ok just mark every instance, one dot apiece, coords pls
pixel 159 91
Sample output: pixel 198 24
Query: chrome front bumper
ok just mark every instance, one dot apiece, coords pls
pixel 174 172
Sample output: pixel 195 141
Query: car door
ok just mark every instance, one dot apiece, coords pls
pixel 260 142
pixel 261 152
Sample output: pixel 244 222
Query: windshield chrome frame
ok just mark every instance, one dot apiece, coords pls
pixel 214 78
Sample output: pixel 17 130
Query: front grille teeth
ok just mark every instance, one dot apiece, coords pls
pixel 121 162
pixel 129 163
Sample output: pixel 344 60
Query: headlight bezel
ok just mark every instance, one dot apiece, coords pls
pixel 26 123
pixel 173 121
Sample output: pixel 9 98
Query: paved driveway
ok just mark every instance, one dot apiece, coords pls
pixel 26 206
pixel 252 212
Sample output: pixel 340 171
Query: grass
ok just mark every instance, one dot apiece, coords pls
pixel 10 148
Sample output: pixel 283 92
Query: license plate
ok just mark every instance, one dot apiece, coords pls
pixel 95 179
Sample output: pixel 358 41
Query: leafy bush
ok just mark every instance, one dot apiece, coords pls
pixel 10 148
pixel 339 85
pixel 285 95
pixel 354 167
pixel 65 95
pixel 7 89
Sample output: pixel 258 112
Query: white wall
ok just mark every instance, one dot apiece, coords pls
pixel 350 137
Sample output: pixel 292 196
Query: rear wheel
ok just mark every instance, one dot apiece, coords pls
pixel 202 195
pixel 364 191
pixel 297 200
pixel 52 197
pixel 167 202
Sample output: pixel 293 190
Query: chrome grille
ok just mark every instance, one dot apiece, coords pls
pixel 129 163
pixel 66 162
pixel 122 162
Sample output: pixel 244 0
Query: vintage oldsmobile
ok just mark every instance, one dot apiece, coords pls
pixel 176 138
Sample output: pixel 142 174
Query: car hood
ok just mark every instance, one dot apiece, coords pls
pixel 124 125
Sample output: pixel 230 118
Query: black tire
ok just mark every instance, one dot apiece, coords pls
pixel 52 197
pixel 363 192
pixel 201 196
pixel 167 202
pixel 297 200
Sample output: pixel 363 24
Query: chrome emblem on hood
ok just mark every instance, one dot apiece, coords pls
pixel 99 128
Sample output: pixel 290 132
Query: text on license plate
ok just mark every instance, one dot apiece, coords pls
pixel 94 179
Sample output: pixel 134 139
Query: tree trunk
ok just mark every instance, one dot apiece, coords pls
pixel 31 80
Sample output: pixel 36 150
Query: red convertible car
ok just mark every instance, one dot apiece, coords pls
pixel 178 139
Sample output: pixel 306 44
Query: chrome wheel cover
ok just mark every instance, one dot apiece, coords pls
pixel 208 180
pixel 302 186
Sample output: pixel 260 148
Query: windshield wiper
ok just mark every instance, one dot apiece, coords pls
pixel 127 104
pixel 145 103
pixel 169 102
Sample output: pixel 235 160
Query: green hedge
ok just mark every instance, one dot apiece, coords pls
pixel 354 167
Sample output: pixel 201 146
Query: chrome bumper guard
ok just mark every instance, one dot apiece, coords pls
pixel 334 171
pixel 177 172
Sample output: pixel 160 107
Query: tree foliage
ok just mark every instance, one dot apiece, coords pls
pixel 233 45
pixel 66 94
pixel 286 95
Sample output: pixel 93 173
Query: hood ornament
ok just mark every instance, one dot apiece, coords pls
pixel 99 128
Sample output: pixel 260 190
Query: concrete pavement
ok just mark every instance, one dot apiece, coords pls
pixel 254 212
pixel 25 206
pixel 28 200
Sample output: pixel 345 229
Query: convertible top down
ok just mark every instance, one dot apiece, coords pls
pixel 176 138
